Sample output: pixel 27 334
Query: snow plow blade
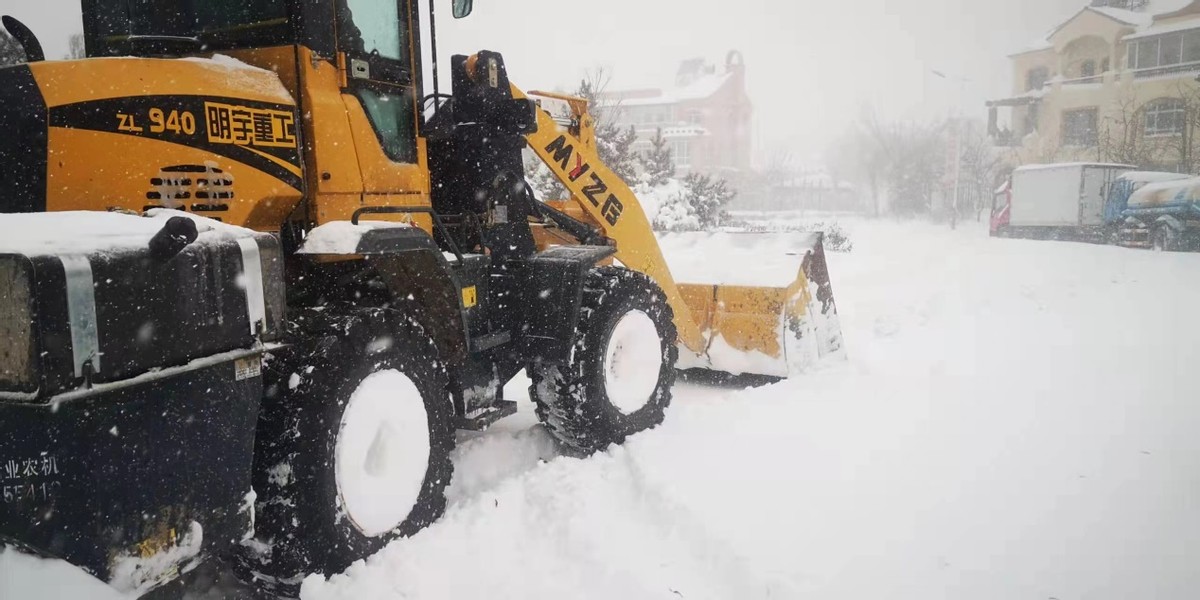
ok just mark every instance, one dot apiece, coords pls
pixel 770 310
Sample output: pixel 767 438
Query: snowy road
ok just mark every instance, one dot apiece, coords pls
pixel 1017 420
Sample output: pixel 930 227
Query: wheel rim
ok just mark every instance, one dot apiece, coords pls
pixel 632 362
pixel 382 452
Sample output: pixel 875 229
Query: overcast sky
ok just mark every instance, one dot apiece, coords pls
pixel 813 65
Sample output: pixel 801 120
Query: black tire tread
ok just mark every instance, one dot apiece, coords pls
pixel 568 399
pixel 288 520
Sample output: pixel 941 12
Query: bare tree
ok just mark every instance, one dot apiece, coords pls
pixel 1185 141
pixel 917 165
pixel 863 155
pixel 614 144
pixel 904 160
pixel 981 165
pixel 1121 139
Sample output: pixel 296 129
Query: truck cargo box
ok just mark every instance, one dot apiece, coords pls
pixel 130 380
pixel 1061 195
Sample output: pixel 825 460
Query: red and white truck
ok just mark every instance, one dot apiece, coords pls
pixel 1056 202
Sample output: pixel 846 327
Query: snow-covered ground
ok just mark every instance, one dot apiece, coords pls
pixel 1016 420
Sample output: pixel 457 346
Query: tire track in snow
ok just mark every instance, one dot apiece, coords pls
pixel 732 571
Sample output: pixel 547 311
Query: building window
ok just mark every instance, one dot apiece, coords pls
pixel 650 117
pixel 1087 70
pixel 1174 52
pixel 1080 127
pixel 1031 119
pixel 1104 66
pixel 1165 117
pixel 681 152
pixel 1036 79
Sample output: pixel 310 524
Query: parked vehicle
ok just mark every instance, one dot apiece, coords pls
pixel 1100 203
pixel 1057 202
pixel 1155 210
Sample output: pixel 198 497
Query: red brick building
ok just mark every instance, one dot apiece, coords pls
pixel 705 116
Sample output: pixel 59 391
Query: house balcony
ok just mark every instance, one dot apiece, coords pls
pixel 1177 70
pixel 1093 80
pixel 1105 78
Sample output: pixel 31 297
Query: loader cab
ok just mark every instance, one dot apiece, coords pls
pixel 353 67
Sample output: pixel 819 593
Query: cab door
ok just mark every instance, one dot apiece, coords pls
pixel 377 49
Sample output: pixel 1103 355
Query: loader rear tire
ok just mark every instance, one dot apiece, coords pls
pixel 353 450
pixel 610 390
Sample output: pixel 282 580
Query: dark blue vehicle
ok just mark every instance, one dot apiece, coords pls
pixel 1155 210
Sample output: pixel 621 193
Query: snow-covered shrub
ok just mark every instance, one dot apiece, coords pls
pixel 658 166
pixel 667 206
pixel 836 238
pixel 707 197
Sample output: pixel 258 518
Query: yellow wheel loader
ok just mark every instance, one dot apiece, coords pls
pixel 254 273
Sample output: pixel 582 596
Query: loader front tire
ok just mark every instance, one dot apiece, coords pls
pixel 353 449
pixel 619 379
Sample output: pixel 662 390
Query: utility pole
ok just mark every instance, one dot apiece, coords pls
pixel 958 141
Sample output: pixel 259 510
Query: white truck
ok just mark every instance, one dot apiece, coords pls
pixel 1057 202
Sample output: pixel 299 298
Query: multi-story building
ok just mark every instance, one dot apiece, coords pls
pixel 1116 82
pixel 705 117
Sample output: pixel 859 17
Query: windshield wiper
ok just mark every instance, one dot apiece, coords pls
pixel 164 43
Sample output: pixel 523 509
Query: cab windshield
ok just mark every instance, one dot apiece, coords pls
pixel 156 27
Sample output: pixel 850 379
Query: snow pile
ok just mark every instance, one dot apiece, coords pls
pixel 1151 177
pixel 23 576
pixel 1016 420
pixel 78 232
pixel 137 574
pixel 382 452
pixel 1166 192
pixel 632 362
pixel 666 206
pixel 734 258
pixel 341 237
pixel 246 78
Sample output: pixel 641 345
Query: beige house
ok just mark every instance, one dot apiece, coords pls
pixel 1117 82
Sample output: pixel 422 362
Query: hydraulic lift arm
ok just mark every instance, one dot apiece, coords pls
pixel 571 155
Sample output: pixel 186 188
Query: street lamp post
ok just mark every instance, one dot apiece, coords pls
pixel 958 139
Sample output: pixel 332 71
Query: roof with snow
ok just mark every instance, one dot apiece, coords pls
pixel 1128 17
pixel 703 87
pixel 1073 165
pixel 1141 20
pixel 1154 30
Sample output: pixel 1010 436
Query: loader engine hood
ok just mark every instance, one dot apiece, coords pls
pixel 212 136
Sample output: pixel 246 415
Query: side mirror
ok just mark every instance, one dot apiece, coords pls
pixel 462 8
